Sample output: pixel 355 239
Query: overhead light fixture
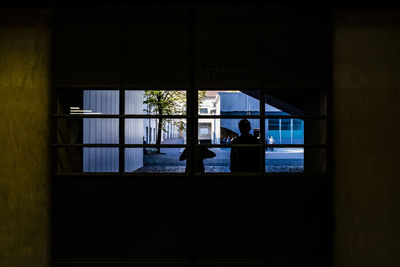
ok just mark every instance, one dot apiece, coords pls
pixel 78 111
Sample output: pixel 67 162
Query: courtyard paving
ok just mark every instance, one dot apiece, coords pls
pixel 279 160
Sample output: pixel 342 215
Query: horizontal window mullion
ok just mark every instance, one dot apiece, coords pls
pixel 298 117
pixel 266 145
pixel 86 145
pixel 265 174
pixel 124 88
pixel 269 175
pixel 154 145
pixel 142 116
pixel 128 116
pixel 151 88
pixel 113 174
pixel 78 116
pixel 197 145
pixel 265 116
pixel 228 116
pixel 186 88
pixel 228 146
pixel 121 145
pixel 266 89
pixel 139 116
pixel 299 145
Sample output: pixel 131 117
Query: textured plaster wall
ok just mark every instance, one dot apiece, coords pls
pixel 366 105
pixel 24 138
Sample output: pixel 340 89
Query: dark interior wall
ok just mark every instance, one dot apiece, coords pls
pixel 366 152
pixel 366 80
pixel 24 134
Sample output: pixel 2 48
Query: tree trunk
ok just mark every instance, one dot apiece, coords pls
pixel 159 130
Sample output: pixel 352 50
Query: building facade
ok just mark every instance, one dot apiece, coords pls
pixel 216 131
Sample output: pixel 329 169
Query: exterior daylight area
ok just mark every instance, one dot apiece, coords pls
pixel 156 133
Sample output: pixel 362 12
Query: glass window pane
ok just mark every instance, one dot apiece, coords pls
pixel 295 159
pixel 100 131
pixel 219 163
pixel 231 159
pixel 308 131
pixel 89 102
pixel 166 160
pixel 273 124
pixel 284 159
pixel 285 124
pixel 155 102
pixel 222 131
pixel 295 102
pixel 100 159
pixel 87 159
pixel 87 131
pixel 280 131
pixel 228 102
pixel 146 131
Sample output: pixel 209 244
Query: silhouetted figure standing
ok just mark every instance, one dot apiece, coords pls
pixel 245 159
pixel 271 142
pixel 203 153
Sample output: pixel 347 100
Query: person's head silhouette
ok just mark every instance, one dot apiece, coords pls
pixel 244 126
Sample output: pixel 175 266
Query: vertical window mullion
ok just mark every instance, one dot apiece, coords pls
pixel 190 135
pixel 121 131
pixel 262 128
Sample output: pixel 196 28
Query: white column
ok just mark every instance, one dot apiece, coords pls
pixel 291 131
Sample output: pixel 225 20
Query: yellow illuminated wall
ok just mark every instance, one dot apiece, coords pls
pixel 24 138
pixel 366 136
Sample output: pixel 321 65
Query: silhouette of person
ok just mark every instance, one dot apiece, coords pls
pixel 271 142
pixel 144 149
pixel 203 153
pixel 245 159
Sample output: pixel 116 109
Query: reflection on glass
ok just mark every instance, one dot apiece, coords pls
pixel 221 161
pixel 292 131
pixel 284 131
pixel 149 160
pixel 154 159
pixel 297 102
pixel 232 102
pixel 100 131
pixel 88 102
pixel 284 159
pixel 222 131
pixel 155 102
pixel 147 131
pixel 87 159
pixel 98 102
pixel 100 159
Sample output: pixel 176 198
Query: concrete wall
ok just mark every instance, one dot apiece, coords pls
pixel 24 138
pixel 366 152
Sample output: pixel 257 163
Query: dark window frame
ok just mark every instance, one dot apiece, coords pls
pixel 192 134
pixel 192 121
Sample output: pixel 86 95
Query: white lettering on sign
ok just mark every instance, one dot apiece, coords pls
pixel 227 70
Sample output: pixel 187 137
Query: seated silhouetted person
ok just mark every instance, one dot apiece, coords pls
pixel 245 159
pixel 203 153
